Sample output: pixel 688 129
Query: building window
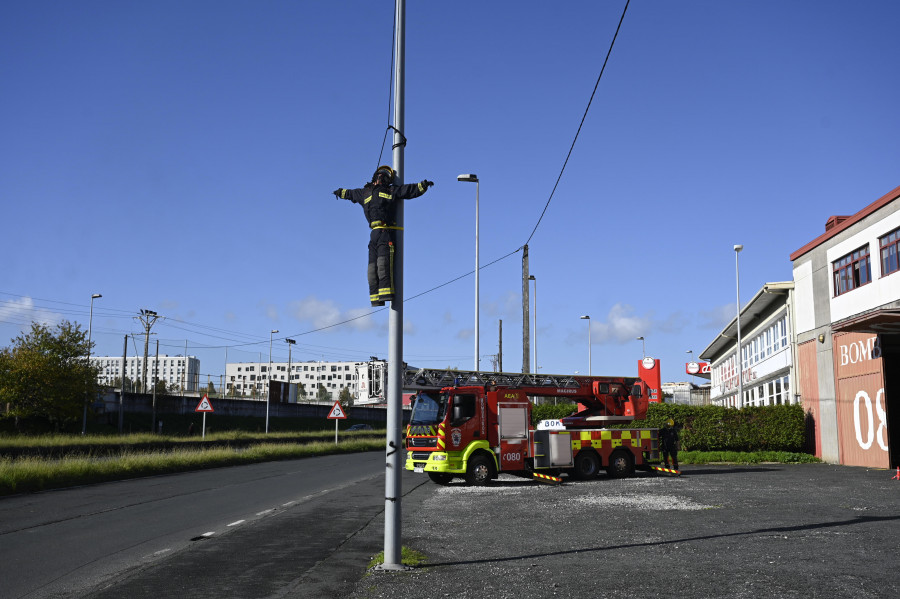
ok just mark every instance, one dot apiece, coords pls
pixel 852 271
pixel 890 252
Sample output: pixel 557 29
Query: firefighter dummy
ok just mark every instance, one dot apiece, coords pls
pixel 379 203
pixel 668 440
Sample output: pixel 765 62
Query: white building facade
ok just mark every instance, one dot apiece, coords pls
pixel 178 372
pixel 767 353
pixel 363 380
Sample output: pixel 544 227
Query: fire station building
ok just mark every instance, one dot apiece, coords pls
pixel 847 332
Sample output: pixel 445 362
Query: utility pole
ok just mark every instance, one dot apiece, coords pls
pixel 147 318
pixel 155 378
pixel 500 347
pixel 122 392
pixel 526 326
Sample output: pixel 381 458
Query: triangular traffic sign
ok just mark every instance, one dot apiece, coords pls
pixel 204 405
pixel 336 411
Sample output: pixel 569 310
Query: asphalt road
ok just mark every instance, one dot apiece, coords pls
pixel 65 543
pixel 718 531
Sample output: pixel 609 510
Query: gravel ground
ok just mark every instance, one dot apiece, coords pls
pixel 717 531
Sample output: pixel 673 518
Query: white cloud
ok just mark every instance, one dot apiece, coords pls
pixel 272 312
pixel 409 328
pixel 717 317
pixel 326 313
pixel 23 312
pixel 673 324
pixel 621 326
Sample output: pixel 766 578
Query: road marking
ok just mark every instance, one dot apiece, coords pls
pixel 264 512
pixel 208 534
pixel 156 554
pixel 237 522
pixel 288 504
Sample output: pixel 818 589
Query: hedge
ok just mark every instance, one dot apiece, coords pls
pixel 715 428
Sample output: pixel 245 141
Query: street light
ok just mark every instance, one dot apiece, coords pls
pixel 90 325
pixel 290 342
pixel 531 278
pixel 737 351
pixel 472 178
pixel 590 361
pixel 691 390
pixel 643 348
pixel 269 380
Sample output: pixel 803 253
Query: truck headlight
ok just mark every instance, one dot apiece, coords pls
pixel 441 457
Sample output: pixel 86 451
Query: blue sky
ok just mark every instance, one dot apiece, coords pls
pixel 180 157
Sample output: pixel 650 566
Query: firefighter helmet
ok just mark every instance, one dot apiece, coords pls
pixel 670 422
pixel 385 173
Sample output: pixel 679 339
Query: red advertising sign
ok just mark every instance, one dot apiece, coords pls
pixel 697 368
pixel 648 371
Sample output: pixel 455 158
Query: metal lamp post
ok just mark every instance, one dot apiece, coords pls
pixel 643 347
pixel 737 352
pixel 269 379
pixel 90 326
pixel 472 178
pixel 290 342
pixel 691 389
pixel 590 360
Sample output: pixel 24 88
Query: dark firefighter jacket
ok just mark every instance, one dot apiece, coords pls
pixel 379 202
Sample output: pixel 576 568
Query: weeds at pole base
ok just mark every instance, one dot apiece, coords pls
pixel 408 557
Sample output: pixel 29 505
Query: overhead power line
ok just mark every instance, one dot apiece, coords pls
pixel 572 147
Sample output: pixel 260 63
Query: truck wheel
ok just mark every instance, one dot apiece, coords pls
pixel 441 478
pixel 587 465
pixel 480 471
pixel 621 464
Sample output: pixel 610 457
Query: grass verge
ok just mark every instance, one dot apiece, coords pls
pixel 31 474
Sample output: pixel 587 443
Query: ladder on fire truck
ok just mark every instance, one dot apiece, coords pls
pixel 433 379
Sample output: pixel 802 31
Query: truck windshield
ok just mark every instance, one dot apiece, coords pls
pixel 428 409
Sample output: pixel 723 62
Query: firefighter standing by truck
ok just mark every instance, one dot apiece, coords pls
pixel 668 441
pixel 378 199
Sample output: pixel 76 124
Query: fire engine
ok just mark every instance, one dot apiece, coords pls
pixel 479 425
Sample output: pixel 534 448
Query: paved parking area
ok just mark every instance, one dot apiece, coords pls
pixel 718 531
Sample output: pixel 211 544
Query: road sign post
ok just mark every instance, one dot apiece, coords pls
pixel 336 413
pixel 204 406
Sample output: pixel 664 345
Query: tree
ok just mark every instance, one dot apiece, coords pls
pixel 117 384
pixel 323 394
pixel 345 397
pixel 46 373
pixel 160 386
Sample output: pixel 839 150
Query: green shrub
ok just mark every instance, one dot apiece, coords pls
pixel 715 428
